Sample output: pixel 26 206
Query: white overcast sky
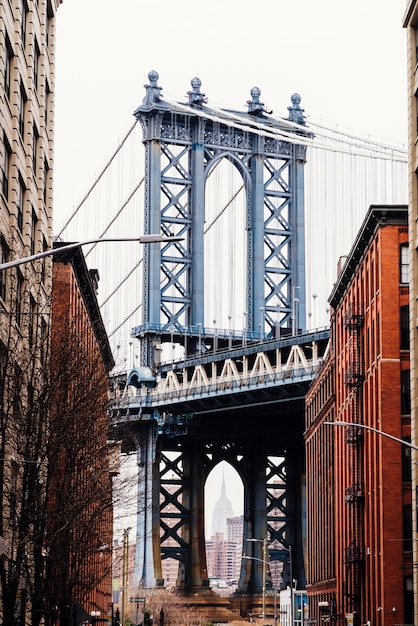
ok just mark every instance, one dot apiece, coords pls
pixel 346 59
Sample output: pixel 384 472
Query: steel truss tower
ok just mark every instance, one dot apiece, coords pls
pixel 183 143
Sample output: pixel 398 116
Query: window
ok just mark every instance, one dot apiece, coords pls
pixel 404 265
pixel 36 65
pixel 407 526
pixel 50 16
pixel 32 325
pixel 7 68
pixel 23 24
pixel 406 461
pixel 46 177
pixel 19 297
pixel 405 327
pixel 47 96
pixel 416 40
pixel 33 233
pixel 405 392
pixel 22 110
pixel 43 338
pixel 7 155
pixel 43 270
pixel 35 139
pixel 20 204
pixel 3 259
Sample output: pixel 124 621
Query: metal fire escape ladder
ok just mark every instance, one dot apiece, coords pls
pixel 354 496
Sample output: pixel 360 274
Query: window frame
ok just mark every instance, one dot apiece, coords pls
pixel 8 67
pixel 404 264
pixel 4 255
pixel 7 157
pixel 20 203
pixel 22 110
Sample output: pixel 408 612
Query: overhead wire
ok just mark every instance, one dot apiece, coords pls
pixel 293 134
pixel 118 213
pixel 356 153
pixel 97 180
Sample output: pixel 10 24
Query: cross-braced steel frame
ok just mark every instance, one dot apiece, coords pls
pixel 173 468
pixel 183 143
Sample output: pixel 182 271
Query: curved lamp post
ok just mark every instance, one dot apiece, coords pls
pixel 292 601
pixel 374 430
pixel 70 246
pixel 265 563
pixel 379 432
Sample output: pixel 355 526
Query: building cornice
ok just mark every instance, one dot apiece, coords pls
pixel 376 217
pixel 88 293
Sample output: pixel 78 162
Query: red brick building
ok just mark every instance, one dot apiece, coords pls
pixel 359 548
pixel 80 505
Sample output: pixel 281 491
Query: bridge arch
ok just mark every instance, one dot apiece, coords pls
pixel 227 203
pixel 240 164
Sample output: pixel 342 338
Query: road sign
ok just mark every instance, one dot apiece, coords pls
pixel 137 599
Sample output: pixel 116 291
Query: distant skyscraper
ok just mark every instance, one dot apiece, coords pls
pixel 221 512
pixel 223 558
pixel 235 526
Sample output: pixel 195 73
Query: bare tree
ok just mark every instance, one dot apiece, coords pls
pixel 24 350
pixel 55 484
pixel 79 490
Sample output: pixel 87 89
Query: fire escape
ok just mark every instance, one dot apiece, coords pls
pixel 354 495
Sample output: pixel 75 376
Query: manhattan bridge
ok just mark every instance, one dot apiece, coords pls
pixel 218 333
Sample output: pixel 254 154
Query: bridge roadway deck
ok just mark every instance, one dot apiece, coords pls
pixel 244 406
pixel 265 378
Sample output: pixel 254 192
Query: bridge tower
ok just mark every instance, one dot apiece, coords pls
pixel 183 145
pixel 178 444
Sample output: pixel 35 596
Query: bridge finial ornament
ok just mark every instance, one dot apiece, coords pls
pixel 153 91
pixel 255 107
pixel 196 96
pixel 296 113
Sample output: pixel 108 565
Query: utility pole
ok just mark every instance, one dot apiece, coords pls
pixel 125 554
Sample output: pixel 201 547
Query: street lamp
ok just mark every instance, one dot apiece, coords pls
pixel 374 430
pixel 94 616
pixel 70 246
pixel 264 563
pixel 292 603
pixel 378 432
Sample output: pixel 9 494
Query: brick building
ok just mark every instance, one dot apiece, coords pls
pixel 80 521
pixel 359 548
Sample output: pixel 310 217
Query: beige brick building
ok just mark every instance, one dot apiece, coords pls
pixel 410 23
pixel 27 65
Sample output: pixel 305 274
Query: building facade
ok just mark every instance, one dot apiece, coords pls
pixel 410 23
pixel 320 407
pixel 359 481
pixel 79 528
pixel 27 69
pixel 223 558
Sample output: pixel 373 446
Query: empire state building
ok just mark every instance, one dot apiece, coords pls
pixel 221 512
